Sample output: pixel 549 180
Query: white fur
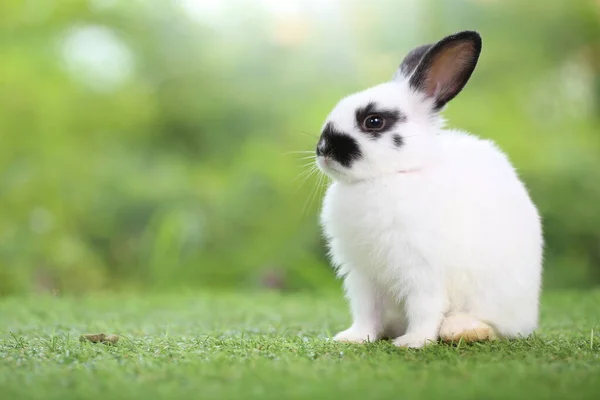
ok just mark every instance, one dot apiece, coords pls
pixel 439 226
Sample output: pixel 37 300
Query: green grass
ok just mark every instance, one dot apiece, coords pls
pixel 269 346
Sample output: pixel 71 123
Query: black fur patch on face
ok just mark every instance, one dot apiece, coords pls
pixel 391 118
pixel 398 141
pixel 339 146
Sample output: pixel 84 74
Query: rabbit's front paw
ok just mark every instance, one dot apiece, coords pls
pixel 354 335
pixel 413 341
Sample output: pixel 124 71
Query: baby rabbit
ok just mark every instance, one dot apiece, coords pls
pixel 431 229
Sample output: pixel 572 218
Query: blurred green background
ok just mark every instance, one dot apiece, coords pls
pixel 149 144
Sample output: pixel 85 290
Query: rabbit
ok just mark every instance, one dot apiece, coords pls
pixel 431 229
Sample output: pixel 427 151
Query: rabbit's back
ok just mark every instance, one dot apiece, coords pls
pixel 497 263
pixel 468 216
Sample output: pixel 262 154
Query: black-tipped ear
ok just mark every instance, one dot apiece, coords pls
pixel 447 66
pixel 411 60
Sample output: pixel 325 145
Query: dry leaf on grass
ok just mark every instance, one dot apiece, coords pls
pixel 99 338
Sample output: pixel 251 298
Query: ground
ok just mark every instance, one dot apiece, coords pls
pixel 271 346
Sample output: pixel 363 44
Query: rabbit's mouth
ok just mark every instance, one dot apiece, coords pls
pixel 326 163
pixel 331 168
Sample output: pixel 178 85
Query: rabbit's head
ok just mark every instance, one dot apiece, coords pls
pixel 391 128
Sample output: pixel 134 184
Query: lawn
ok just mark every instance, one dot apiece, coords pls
pixel 271 346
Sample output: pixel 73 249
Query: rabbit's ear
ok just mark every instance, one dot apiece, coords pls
pixel 411 61
pixel 446 67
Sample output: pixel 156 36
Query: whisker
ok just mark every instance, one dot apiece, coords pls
pixel 306 176
pixel 320 185
pixel 299 152
pixel 308 202
pixel 307 172
pixel 312 175
pixel 308 164
pixel 321 188
pixel 312 135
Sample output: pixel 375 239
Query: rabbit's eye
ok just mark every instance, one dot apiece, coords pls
pixel 373 123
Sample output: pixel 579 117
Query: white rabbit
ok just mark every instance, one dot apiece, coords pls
pixel 431 229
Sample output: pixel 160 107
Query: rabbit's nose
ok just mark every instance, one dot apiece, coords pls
pixel 322 147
